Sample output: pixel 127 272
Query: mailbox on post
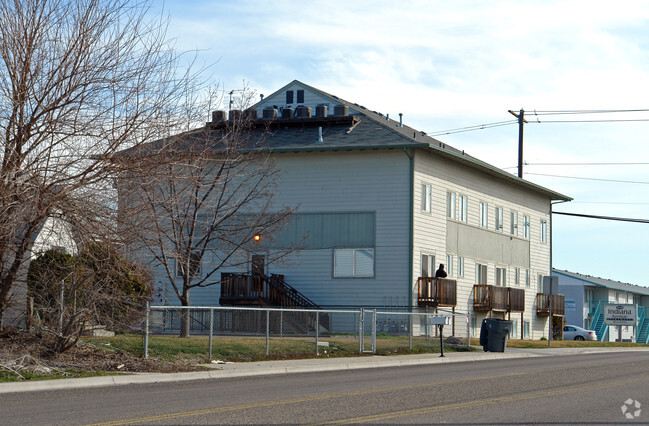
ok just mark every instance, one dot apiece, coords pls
pixel 440 321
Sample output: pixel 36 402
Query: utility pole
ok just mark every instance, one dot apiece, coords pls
pixel 521 121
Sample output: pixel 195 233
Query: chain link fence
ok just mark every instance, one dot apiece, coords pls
pixel 290 331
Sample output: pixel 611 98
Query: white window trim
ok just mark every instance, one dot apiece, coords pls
pixel 426 197
pixel 451 205
pixel 464 208
pixel 513 226
pixel 484 215
pixel 499 213
pixel 526 227
pixel 354 273
pixel 544 231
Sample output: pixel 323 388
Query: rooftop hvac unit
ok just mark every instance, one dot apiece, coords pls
pixel 270 113
pixel 321 111
pixel 235 114
pixel 303 112
pixel 218 116
pixel 287 113
pixel 341 110
pixel 250 114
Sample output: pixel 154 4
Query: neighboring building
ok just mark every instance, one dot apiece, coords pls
pixel 53 233
pixel 384 204
pixel 585 296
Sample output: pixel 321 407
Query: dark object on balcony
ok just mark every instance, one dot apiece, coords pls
pixel 494 334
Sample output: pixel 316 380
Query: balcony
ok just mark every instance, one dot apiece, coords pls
pixel 434 292
pixel 543 304
pixel 495 298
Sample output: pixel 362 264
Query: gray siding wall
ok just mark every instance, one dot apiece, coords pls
pixel 352 181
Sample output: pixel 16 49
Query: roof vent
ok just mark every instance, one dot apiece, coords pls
pixel 287 113
pixel 218 116
pixel 235 114
pixel 303 112
pixel 341 110
pixel 400 120
pixel 321 111
pixel 269 114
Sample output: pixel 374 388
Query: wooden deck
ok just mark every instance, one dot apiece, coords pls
pixel 434 292
pixel 495 298
pixel 543 304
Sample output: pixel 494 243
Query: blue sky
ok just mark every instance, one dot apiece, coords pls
pixel 448 65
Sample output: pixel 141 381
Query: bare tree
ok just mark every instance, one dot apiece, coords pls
pixel 79 81
pixel 199 213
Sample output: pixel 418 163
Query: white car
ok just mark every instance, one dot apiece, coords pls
pixel 572 332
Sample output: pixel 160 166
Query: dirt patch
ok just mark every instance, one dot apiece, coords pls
pixel 26 352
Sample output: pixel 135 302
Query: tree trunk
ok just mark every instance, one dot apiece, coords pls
pixel 185 315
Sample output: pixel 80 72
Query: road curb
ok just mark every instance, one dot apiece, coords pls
pixel 247 369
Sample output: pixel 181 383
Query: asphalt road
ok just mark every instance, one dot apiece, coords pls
pixel 560 389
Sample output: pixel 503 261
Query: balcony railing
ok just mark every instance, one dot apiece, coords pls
pixel 496 298
pixel 516 299
pixel 435 292
pixel 543 304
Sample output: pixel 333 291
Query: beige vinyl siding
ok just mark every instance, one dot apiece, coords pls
pixel 431 231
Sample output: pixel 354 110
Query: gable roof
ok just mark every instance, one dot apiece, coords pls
pixel 375 130
pixel 606 283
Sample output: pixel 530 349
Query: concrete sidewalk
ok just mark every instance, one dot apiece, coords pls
pixel 246 369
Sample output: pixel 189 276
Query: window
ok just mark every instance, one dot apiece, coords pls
pixel 514 223
pixel 194 265
pixel 514 334
pixel 481 273
pixel 450 205
pixel 474 326
pixel 449 264
pixel 526 227
pixel 517 276
pixel 353 262
pixel 526 329
pixel 426 193
pixel 300 96
pixel 427 265
pixel 460 266
pixel 483 215
pixel 499 219
pixel 527 278
pixel 544 227
pixel 289 96
pixel 464 205
pixel 501 276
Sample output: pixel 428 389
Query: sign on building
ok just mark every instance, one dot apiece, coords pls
pixel 620 315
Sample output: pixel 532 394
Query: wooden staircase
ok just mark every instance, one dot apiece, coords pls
pixel 273 291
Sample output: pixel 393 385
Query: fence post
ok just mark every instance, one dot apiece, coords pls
pixel 146 332
pixel 317 326
pixel 410 330
pixel 361 320
pixel 211 332
pixel 427 325
pixel 374 331
pixel 267 331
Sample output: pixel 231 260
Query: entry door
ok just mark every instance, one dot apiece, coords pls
pixel 258 264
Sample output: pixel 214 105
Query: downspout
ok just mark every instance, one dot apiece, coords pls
pixel 410 226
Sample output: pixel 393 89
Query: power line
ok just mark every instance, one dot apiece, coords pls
pixel 584 164
pixel 614 218
pixel 595 179
pixel 473 128
pixel 587 111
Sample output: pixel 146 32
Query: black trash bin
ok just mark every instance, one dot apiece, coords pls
pixel 497 332
pixel 484 334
